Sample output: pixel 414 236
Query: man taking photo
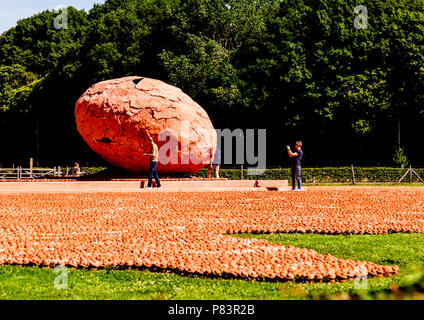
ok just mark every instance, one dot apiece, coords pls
pixel 295 165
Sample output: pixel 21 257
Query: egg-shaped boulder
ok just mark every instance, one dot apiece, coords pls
pixel 116 117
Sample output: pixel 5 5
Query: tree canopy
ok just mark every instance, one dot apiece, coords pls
pixel 299 68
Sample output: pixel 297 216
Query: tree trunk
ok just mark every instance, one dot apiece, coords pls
pixel 37 144
pixel 398 134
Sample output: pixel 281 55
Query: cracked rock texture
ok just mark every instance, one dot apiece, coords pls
pixel 115 118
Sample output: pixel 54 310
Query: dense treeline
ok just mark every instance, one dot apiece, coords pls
pixel 298 68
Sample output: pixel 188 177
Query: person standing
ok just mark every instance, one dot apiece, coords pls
pixel 154 158
pixel 295 165
pixel 214 165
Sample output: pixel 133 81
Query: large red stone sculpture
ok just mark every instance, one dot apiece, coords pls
pixel 116 117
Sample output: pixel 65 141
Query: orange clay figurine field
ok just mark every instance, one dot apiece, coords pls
pixel 188 231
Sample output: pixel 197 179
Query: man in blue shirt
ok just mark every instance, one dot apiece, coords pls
pixel 295 165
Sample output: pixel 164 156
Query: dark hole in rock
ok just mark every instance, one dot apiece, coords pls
pixel 136 81
pixel 105 140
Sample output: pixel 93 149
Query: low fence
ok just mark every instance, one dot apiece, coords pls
pixel 348 175
pixel 19 173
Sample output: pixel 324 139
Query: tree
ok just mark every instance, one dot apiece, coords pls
pixel 206 57
pixel 298 68
pixel 16 86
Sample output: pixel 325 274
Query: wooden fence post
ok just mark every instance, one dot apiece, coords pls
pixel 31 163
pixel 241 172
pixel 410 171
pixel 353 174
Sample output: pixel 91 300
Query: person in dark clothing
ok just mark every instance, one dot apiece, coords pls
pixel 295 165
pixel 214 165
pixel 154 158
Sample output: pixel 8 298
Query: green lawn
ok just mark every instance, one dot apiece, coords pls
pixel 405 250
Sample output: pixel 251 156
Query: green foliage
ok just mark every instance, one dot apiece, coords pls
pixel 322 175
pixel 297 67
pixel 207 64
pixel 210 37
pixel 397 248
pixel 411 289
pixel 400 158
pixel 405 250
pixel 35 44
pixel 92 170
pixel 16 86
pixel 120 37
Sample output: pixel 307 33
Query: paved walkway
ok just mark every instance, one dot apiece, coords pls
pixel 139 186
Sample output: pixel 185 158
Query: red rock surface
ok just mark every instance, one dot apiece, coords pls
pixel 115 118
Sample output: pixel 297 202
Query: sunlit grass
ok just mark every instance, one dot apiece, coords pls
pixel 405 250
